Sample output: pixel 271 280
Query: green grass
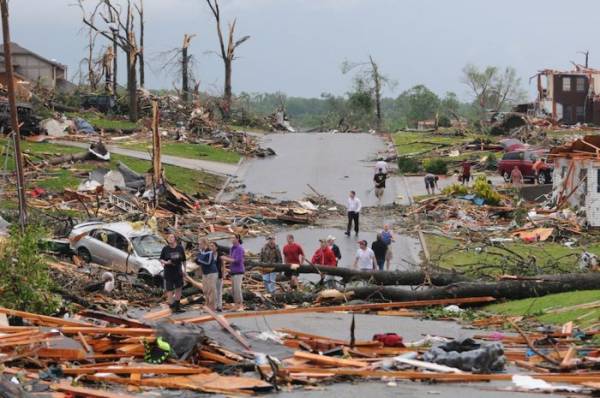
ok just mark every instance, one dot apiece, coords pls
pixel 408 142
pixel 541 308
pixel 185 179
pixel 100 121
pixel 453 254
pixel 190 151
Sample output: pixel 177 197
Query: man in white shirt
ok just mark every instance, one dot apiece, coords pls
pixel 381 164
pixel 365 257
pixel 354 207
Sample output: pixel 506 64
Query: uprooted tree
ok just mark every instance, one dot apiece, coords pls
pixel 119 30
pixel 493 88
pixel 227 54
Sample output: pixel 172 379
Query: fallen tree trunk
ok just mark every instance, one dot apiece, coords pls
pixel 508 289
pixel 377 278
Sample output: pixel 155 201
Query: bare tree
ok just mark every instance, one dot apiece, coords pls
pixel 185 64
pixel 140 10
pixel 107 70
pixel 119 30
pixel 179 62
pixel 493 88
pixel 227 55
pixel 369 75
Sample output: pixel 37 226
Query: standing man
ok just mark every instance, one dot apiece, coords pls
pixel 379 249
pixel 365 258
pixel 324 255
pixel 538 168
pixel 516 177
pixel 335 249
pixel 236 270
pixel 270 254
pixel 354 207
pixel 388 239
pixel 379 180
pixel 293 254
pixel 466 172
pixel 430 183
pixel 172 258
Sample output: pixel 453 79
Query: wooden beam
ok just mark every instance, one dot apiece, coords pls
pixel 223 322
pixel 331 361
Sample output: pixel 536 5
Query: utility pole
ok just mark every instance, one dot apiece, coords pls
pixel 14 120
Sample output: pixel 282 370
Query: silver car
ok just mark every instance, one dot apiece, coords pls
pixel 121 246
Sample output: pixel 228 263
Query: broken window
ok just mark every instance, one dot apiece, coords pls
pixel 580 113
pixel 566 83
pixel 580 84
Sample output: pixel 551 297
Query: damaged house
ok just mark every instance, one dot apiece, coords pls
pixel 576 179
pixel 569 97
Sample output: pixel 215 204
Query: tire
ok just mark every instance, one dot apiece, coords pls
pixel 506 176
pixel 148 279
pixel 543 178
pixel 84 254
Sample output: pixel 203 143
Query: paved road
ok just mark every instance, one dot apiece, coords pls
pixel 224 169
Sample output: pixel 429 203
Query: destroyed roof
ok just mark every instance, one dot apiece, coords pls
pixel 579 70
pixel 18 50
pixel 588 146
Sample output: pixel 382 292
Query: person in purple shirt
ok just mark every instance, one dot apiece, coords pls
pixel 235 260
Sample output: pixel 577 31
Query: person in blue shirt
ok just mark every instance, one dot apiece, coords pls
pixel 207 258
pixel 388 238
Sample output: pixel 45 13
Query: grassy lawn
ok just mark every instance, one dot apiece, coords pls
pixel 453 254
pixel 545 308
pixel 190 151
pixel 408 142
pixel 100 121
pixel 185 179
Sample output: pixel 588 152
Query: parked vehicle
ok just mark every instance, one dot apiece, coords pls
pixel 525 160
pixel 30 124
pixel 122 247
pixel 102 103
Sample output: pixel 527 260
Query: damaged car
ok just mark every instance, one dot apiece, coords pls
pixel 122 246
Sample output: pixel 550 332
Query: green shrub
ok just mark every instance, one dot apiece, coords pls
pixel 25 283
pixel 435 166
pixel 456 189
pixel 491 162
pixel 408 165
pixel 444 121
pixel 484 190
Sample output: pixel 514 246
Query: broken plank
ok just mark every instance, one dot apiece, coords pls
pixel 331 361
pixel 223 322
pixel 87 392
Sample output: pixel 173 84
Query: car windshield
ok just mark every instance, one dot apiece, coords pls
pixel 148 245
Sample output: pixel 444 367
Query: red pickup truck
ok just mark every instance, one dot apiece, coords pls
pixel 525 160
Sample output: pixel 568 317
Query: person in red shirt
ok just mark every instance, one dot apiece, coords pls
pixel 324 255
pixel 293 254
pixel 466 172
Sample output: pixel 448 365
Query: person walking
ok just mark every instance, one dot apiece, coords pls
pixel 293 254
pixel 466 172
pixel 207 258
pixel 388 239
pixel 381 165
pixel 379 180
pixel 270 254
pixel 335 249
pixel 365 258
pixel 430 183
pixel 354 207
pixel 379 249
pixel 235 260
pixel 172 258
pixel 516 177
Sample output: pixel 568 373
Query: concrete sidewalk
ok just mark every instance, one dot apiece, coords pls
pixel 224 169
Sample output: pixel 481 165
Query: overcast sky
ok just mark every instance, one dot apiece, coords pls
pixel 297 46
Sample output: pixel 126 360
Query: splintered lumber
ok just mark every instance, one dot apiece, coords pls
pixel 225 325
pixel 87 392
pixel 330 361
pixel 342 308
pixel 509 289
pixel 428 365
pixel 102 330
pixel 377 278
pixel 137 368
pixel 42 319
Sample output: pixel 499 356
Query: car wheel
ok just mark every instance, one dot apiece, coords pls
pixel 84 254
pixel 148 279
pixel 543 179
pixel 506 176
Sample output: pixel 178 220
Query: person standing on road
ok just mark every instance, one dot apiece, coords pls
pixel 324 256
pixel 388 239
pixel 335 249
pixel 236 270
pixel 430 183
pixel 539 168
pixel 293 254
pixel 172 258
pixel 354 207
pixel 270 254
pixel 220 275
pixel 379 249
pixel 466 172
pixel 207 258
pixel 379 180
pixel 381 166
pixel 516 177
pixel 365 258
